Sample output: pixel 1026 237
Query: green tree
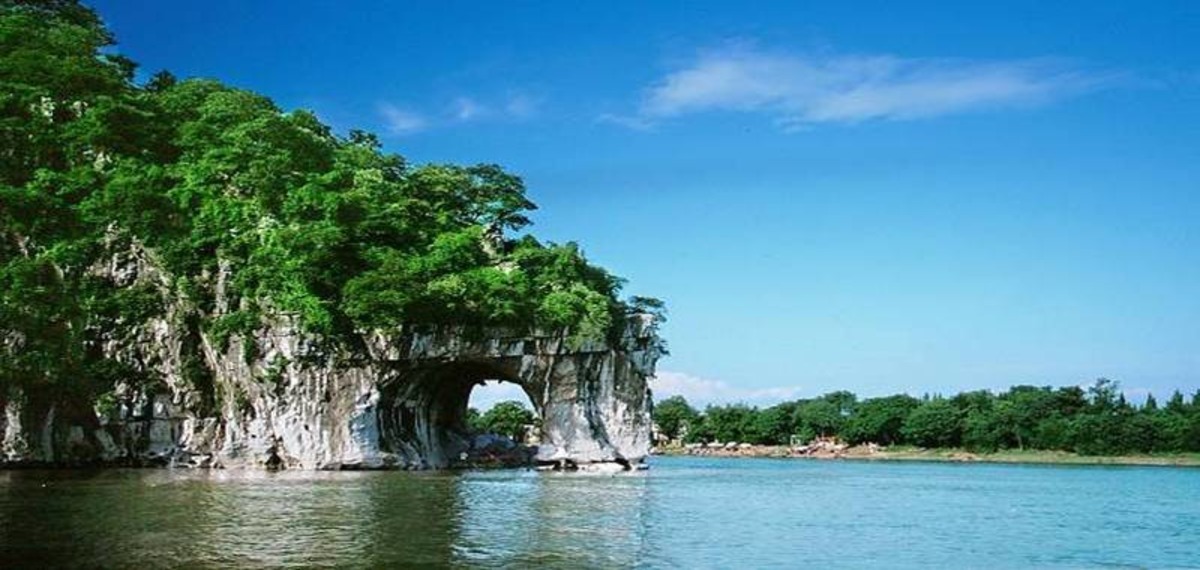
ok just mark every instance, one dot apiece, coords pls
pixel 508 418
pixel 974 401
pixel 843 400
pixel 880 420
pixel 1019 412
pixel 249 211
pixel 771 426
pixel 1104 395
pixel 674 416
pixel 1053 433
pixel 1070 400
pixel 1172 430
pixel 1176 404
pixel 1098 434
pixel 731 423
pixel 935 423
pixel 1140 433
pixel 700 431
pixel 982 431
pixel 474 420
pixel 821 417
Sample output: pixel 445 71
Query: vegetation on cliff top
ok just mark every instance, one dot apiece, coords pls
pixel 242 203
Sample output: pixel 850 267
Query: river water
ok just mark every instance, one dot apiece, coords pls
pixel 682 513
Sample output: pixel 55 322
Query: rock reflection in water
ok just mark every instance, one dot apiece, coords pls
pixel 224 519
pixel 686 512
pixel 154 518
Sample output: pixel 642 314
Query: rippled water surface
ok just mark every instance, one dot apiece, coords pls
pixel 684 512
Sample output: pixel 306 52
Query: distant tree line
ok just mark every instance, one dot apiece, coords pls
pixel 1093 421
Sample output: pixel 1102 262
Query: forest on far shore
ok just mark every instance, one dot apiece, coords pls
pixel 1097 420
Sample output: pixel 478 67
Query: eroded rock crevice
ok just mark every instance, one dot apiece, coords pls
pixel 279 398
pixel 404 408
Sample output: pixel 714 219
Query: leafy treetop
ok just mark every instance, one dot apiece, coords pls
pixel 248 207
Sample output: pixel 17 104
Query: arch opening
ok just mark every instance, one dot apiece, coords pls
pixel 425 416
pixel 505 425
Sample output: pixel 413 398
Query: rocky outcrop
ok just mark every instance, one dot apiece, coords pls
pixel 279 398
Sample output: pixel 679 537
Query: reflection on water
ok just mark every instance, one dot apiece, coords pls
pixel 685 512
pixel 250 519
pixel 559 520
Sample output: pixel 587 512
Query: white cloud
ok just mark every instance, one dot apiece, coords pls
pixel 400 121
pixel 466 108
pixel 521 106
pixel 799 90
pixel 461 109
pixel 702 391
pixel 634 123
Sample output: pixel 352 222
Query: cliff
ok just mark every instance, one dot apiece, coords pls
pixel 192 275
pixel 281 398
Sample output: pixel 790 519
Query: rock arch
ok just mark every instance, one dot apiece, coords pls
pixel 280 398
pixel 293 406
pixel 592 397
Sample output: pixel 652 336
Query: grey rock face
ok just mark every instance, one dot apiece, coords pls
pixel 281 399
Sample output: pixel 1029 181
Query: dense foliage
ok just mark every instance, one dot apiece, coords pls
pixel 1096 421
pixel 249 209
pixel 509 418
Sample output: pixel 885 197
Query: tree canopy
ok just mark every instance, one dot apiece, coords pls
pixel 249 208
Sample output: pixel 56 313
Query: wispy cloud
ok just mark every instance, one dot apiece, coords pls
pixel 460 110
pixel 800 90
pixel 702 391
pixel 514 106
pixel 521 105
pixel 466 109
pixel 636 123
pixel 399 121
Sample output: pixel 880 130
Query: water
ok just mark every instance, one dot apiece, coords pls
pixel 683 513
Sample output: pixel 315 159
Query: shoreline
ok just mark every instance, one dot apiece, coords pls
pixel 939 455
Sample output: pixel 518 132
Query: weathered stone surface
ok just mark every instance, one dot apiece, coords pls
pixel 282 399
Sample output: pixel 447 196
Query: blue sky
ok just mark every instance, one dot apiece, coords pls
pixel 834 196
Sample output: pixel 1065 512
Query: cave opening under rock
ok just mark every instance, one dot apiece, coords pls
pixel 425 414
